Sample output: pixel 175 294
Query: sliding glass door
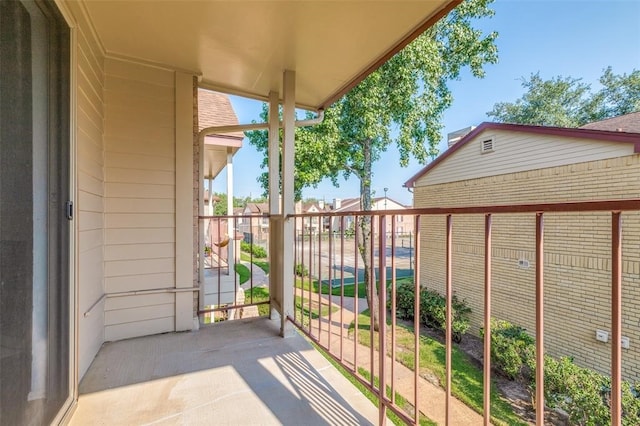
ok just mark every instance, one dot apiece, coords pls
pixel 34 227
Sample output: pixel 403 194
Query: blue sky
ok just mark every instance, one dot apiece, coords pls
pixel 560 37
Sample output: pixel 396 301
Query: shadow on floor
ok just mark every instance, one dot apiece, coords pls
pixel 239 372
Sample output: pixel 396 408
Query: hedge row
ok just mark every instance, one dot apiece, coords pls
pixel 432 309
pixel 258 252
pixel 582 393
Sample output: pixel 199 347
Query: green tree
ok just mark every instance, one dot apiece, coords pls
pixel 569 102
pixel 220 207
pixel 401 103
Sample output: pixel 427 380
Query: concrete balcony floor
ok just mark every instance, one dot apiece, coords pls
pixel 238 373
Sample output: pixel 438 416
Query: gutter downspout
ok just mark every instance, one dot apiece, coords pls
pixel 216 130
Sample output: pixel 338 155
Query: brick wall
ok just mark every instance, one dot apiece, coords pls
pixel 577 255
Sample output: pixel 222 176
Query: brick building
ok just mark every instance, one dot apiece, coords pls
pixel 505 164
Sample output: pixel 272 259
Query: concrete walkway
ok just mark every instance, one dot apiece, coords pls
pixel 431 398
pixel 258 277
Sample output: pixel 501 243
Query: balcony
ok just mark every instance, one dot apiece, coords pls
pixel 242 372
pixel 238 372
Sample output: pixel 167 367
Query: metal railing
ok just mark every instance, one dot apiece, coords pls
pixel 338 262
pixel 222 240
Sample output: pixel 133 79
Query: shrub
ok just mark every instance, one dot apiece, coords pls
pixel 404 300
pixel 461 314
pixel 511 348
pixel 582 393
pixel 301 270
pixel 578 391
pixel 432 309
pixel 257 251
pixel 585 394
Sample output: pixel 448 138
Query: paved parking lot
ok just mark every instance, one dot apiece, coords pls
pixel 337 257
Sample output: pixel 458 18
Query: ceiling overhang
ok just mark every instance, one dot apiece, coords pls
pixel 216 151
pixel 243 47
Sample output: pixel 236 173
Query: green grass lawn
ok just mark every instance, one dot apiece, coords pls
pixel 259 294
pixel 260 263
pixel 400 401
pixel 349 290
pixel 466 378
pixel 243 273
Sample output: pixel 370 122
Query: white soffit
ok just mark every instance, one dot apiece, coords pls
pixel 244 46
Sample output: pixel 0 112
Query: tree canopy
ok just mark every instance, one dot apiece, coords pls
pixel 402 103
pixel 569 102
pixel 220 207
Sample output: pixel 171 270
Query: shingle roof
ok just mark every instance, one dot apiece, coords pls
pixel 628 123
pixel 258 208
pixel 214 109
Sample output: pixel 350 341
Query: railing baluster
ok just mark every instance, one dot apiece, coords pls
pixel 295 266
pixel 539 319
pixel 356 252
pixel 319 281
pixel 382 318
pixel 372 289
pixel 487 321
pixel 330 287
pixel 310 275
pixel 219 261
pixel 448 294
pixel 616 318
pixel 393 307
pixel 388 403
pixel 416 319
pixel 342 287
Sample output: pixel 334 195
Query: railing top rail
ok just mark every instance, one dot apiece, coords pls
pixel 236 216
pixel 565 207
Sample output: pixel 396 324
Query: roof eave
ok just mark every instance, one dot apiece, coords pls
pixel 402 43
pixel 607 135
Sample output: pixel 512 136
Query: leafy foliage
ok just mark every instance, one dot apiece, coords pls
pixel 257 251
pixel 585 394
pixel 432 309
pixel 220 207
pixel 400 103
pixel 581 392
pixel 300 270
pixel 512 348
pixel 568 102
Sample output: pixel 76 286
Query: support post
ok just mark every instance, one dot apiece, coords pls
pixel 274 206
pixel 184 309
pixel 288 152
pixel 230 231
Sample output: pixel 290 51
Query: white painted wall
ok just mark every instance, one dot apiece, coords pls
pixel 517 152
pixel 89 74
pixel 139 198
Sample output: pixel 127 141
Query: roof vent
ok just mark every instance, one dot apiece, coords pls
pixel 486 146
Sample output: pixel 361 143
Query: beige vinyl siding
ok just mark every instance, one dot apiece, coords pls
pixel 516 152
pixel 577 254
pixel 140 198
pixel 89 74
